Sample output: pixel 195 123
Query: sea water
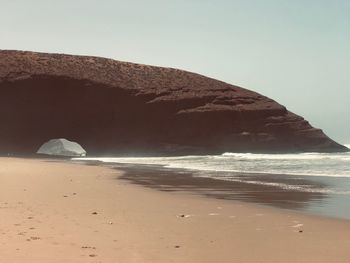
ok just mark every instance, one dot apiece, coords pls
pixel 310 175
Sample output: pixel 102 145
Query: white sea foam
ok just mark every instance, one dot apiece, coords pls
pixel 305 164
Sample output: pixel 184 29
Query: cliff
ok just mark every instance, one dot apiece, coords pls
pixel 113 107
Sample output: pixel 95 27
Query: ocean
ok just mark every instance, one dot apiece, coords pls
pixel 317 183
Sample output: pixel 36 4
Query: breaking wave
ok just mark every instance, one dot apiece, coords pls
pixel 306 164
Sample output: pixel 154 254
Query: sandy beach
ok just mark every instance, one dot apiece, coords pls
pixel 57 211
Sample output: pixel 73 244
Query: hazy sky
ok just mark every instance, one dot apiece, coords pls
pixel 294 51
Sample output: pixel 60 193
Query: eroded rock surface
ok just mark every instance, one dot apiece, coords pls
pixel 113 107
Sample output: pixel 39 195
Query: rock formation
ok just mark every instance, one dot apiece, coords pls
pixel 113 107
pixel 62 147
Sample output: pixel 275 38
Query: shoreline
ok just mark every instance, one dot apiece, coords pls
pixel 189 181
pixel 49 205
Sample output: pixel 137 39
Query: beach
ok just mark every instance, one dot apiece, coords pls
pixel 60 211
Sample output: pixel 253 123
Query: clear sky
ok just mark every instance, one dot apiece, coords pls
pixel 294 51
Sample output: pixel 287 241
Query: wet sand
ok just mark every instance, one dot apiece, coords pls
pixel 181 180
pixel 66 212
pixel 313 195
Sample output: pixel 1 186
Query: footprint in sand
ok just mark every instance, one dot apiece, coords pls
pixel 88 247
pixel 183 216
pixel 298 225
pixel 33 238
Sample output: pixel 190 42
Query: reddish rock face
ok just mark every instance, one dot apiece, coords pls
pixel 113 107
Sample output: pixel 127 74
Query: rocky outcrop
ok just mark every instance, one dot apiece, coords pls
pixel 61 147
pixel 113 107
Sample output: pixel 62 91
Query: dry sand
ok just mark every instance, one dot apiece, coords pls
pixel 65 212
